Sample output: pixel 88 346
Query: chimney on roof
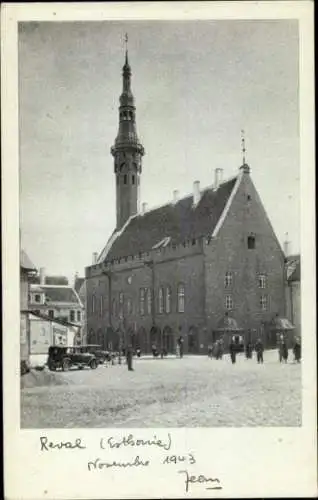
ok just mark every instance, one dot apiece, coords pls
pixel 42 275
pixel 196 192
pixel 144 207
pixel 175 196
pixel 218 176
pixel 95 257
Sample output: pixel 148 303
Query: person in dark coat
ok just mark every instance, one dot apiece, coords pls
pixel 297 350
pixel 220 349
pixel 259 348
pixel 233 350
pixel 283 349
pixel 129 358
pixel 180 342
pixel 248 350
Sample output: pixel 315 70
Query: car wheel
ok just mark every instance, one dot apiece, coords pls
pixel 66 365
pixel 93 364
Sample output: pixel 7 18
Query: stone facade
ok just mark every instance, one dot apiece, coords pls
pixel 200 266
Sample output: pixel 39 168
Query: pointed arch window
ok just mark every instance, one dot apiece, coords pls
pixel 168 300
pixel 149 301
pixel 181 298
pixel 142 301
pixel 93 303
pixel 161 300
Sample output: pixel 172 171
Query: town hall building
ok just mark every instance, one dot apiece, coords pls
pixel 204 266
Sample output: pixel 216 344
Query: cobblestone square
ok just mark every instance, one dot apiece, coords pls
pixel 189 392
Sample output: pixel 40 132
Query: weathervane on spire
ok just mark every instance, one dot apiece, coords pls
pixel 243 145
pixel 126 40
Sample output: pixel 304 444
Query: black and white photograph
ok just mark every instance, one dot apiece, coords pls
pixel 161 244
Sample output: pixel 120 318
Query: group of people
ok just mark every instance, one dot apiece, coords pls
pixel 216 350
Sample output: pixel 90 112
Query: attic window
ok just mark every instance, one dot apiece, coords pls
pixel 251 242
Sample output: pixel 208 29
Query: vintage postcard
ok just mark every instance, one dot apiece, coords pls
pixel 159 250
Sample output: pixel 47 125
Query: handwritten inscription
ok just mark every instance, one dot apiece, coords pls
pixel 98 464
pixel 47 445
pixel 200 479
pixel 176 459
pixel 131 441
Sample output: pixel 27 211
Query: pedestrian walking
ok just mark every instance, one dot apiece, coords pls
pixel 259 348
pixel 129 358
pixel 248 350
pixel 210 351
pixel 232 348
pixel 297 350
pixel 177 351
pixel 283 350
pixel 180 342
pixel 220 349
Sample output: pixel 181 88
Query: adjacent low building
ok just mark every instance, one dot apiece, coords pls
pixel 56 301
pixel 293 292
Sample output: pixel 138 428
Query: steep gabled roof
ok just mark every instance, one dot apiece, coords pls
pixel 60 294
pixel 78 283
pixel 25 262
pixel 172 223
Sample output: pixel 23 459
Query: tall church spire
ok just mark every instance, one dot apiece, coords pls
pixel 245 167
pixel 127 151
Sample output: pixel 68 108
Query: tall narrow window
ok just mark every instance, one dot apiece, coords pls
pixel 72 316
pixel 37 298
pixel 262 281
pixel 263 302
pixel 161 300
pixel 142 301
pixel 168 300
pixel 121 304
pixel 133 179
pixel 228 280
pixel 93 303
pixel 228 302
pixel 181 298
pixel 149 301
pixel 101 305
pixel 129 306
pixel 125 179
pixel 78 315
pixel 251 242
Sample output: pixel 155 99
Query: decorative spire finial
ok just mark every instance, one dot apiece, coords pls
pixel 126 47
pixel 243 146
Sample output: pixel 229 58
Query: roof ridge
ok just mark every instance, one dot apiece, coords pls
pixel 188 195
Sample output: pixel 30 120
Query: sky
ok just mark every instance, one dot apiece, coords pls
pixel 196 85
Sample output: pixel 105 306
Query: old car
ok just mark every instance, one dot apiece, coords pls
pixel 101 355
pixel 64 358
